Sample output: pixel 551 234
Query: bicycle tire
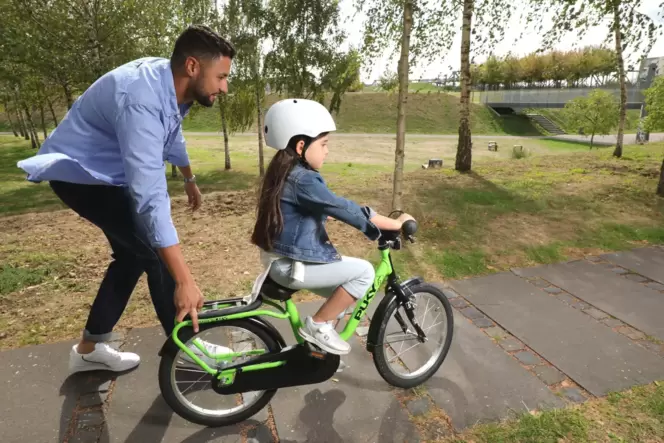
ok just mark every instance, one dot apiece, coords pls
pixel 379 355
pixel 171 398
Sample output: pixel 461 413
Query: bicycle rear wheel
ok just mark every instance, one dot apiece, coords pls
pixel 397 350
pixel 187 388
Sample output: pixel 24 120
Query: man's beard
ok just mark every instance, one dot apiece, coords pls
pixel 201 97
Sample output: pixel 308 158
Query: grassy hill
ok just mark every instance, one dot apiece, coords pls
pixel 375 112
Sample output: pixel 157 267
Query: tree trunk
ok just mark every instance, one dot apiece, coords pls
pixel 224 130
pixel 68 95
pixel 174 171
pixel 660 185
pixel 464 147
pixel 43 120
pixel 404 67
pixel 34 137
pixel 21 117
pixel 591 140
pixel 50 105
pixel 259 127
pixel 621 77
pixel 9 118
pixel 21 123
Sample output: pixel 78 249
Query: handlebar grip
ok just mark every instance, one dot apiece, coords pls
pixel 409 227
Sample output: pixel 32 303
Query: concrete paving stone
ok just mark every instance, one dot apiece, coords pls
pixel 620 271
pixel 511 344
pixel 419 406
pixel 569 299
pixel 647 261
pixel 656 286
pixel 362 331
pixel 607 362
pixel 631 333
pixel 496 332
pixel 593 258
pixel 482 322
pixel 91 418
pixel 631 302
pixel 573 394
pixel 85 436
pixel 596 313
pixel 636 277
pixel 89 400
pixel 479 382
pixel 450 293
pixel 553 290
pixel 581 305
pixel 459 303
pixel 38 373
pixel 549 374
pixel 259 434
pixel 358 407
pixel 471 313
pixel 138 413
pixel 527 358
pixel 540 283
pixel 612 322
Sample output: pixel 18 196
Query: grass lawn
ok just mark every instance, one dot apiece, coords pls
pixel 634 415
pixel 559 202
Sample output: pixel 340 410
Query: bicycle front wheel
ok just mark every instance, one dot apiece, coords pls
pixel 400 357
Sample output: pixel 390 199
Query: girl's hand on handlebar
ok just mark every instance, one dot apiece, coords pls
pixel 390 224
pixel 403 218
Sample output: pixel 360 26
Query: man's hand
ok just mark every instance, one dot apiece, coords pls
pixel 194 194
pixel 188 300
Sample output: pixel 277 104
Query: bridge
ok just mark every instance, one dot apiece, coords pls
pixel 549 97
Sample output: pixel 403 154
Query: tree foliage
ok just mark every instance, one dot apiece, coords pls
pixel 654 97
pixel 589 66
pixel 628 28
pixel 594 114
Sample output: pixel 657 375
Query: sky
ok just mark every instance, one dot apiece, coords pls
pixel 450 62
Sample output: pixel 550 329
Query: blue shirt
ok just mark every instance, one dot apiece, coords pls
pixel 120 132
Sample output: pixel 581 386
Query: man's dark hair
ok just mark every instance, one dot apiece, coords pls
pixel 201 42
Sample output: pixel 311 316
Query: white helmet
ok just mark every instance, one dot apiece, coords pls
pixel 295 116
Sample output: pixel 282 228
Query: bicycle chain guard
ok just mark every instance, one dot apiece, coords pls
pixel 304 364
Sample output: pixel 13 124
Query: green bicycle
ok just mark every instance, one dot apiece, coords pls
pixel 261 362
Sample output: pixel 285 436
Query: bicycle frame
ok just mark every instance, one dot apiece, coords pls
pixel 290 313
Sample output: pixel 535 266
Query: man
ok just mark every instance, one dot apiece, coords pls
pixel 106 162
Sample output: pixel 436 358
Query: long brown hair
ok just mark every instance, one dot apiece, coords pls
pixel 269 220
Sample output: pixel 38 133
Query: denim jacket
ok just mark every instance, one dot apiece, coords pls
pixel 306 202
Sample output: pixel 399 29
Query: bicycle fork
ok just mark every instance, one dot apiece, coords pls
pixel 406 301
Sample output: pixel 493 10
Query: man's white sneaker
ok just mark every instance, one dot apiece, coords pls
pixel 102 358
pixel 324 336
pixel 212 349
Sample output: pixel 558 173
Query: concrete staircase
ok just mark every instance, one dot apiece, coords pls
pixel 546 123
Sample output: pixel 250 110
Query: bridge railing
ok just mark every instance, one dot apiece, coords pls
pixel 550 96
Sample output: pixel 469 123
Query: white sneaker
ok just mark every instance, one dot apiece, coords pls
pixel 324 336
pixel 211 349
pixel 103 357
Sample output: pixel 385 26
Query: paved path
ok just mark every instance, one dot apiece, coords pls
pixel 528 339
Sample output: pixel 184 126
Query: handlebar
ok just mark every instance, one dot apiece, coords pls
pixel 408 229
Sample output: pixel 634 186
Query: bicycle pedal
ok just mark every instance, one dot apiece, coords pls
pixel 315 351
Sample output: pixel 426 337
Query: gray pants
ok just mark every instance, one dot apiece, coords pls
pixel 353 274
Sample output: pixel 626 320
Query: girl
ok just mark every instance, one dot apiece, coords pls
pixel 293 207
